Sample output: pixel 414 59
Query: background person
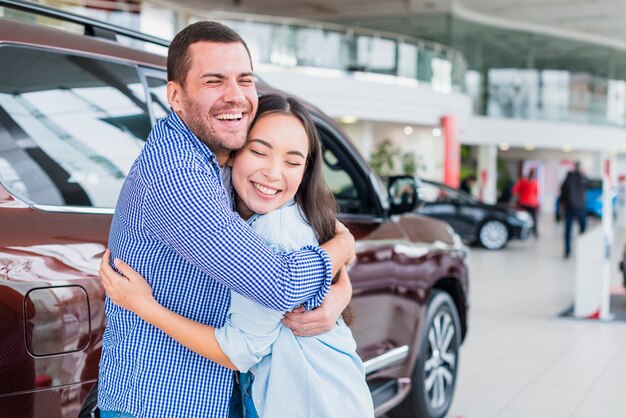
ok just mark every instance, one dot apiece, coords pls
pixel 526 191
pixel 468 183
pixel 573 203
pixel 288 376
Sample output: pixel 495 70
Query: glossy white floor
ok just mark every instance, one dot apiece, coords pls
pixel 519 359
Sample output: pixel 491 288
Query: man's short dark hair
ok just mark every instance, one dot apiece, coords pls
pixel 178 57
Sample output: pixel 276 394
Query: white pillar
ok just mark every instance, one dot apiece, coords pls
pixel 362 136
pixel 487 173
pixel 608 180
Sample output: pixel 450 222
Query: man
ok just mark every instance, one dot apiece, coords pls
pixel 468 184
pixel 174 224
pixel 573 202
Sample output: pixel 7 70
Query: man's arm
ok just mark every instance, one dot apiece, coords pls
pixel 322 319
pixel 185 209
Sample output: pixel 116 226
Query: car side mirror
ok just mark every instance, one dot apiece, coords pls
pixel 402 194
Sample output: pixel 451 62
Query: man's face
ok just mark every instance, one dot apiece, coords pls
pixel 219 99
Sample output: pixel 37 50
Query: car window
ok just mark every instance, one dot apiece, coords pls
pixel 343 178
pixel 157 86
pixel 434 193
pixel 429 193
pixel 69 131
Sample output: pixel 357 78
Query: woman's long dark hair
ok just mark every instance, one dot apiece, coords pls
pixel 313 196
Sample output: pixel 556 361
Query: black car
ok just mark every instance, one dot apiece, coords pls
pixel 491 226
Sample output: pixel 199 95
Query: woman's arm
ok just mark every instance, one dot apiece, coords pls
pixel 133 293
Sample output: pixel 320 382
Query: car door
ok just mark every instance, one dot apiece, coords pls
pixel 448 205
pixel 435 201
pixel 386 271
pixel 68 135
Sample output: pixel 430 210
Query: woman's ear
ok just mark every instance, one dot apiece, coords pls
pixel 231 157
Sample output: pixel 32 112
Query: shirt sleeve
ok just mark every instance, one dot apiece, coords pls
pixel 249 332
pixel 185 208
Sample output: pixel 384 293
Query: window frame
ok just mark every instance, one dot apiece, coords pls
pixel 142 73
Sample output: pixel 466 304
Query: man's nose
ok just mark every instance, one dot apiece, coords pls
pixel 234 92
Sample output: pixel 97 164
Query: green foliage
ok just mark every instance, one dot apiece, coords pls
pixel 468 165
pixel 504 177
pixel 409 163
pixel 386 155
pixel 382 159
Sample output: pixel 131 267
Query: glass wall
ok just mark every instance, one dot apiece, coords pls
pixel 295 43
pixel 554 95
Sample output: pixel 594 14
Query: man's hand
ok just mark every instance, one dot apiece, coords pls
pixel 322 319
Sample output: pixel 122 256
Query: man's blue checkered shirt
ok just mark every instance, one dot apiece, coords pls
pixel 173 223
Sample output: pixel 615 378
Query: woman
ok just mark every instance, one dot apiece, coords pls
pixel 280 191
pixel 526 190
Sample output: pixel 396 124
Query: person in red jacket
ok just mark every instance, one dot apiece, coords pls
pixel 526 190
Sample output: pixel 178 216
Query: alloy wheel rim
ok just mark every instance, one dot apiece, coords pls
pixel 440 365
pixel 493 235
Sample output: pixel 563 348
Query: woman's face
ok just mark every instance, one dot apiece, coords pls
pixel 267 171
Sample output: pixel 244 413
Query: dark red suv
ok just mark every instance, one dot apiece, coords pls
pixel 75 109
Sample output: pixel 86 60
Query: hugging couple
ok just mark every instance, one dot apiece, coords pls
pixel 234 305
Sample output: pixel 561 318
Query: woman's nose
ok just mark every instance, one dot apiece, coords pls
pixel 272 170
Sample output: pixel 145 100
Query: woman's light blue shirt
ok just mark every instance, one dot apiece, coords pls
pixel 308 377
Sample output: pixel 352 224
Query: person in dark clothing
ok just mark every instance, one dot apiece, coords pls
pixel 573 202
pixel 467 184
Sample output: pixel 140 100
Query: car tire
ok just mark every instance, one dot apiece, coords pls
pixel 90 406
pixel 434 378
pixel 493 235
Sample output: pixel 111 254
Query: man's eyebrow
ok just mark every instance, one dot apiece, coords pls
pixel 222 76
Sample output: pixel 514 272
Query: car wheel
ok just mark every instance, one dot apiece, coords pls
pixel 434 378
pixel 493 235
pixel 90 406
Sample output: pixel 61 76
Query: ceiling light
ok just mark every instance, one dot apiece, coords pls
pixel 529 147
pixel 348 119
pixel 504 146
pixel 436 132
pixel 567 148
pixel 408 130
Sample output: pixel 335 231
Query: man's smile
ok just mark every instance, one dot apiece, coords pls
pixel 230 116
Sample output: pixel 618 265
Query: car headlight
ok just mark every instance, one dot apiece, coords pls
pixel 522 216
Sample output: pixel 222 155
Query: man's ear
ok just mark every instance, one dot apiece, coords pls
pixel 174 92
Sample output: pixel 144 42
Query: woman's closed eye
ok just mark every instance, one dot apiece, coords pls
pixel 293 163
pixel 258 153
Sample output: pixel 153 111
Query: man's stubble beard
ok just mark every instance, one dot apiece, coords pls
pixel 201 128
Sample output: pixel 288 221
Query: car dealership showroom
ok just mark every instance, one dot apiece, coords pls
pixel 473 151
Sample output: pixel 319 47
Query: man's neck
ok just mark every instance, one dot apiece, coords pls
pixel 221 157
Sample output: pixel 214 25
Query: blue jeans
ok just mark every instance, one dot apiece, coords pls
pixel 570 214
pixel 113 414
pixel 241 402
